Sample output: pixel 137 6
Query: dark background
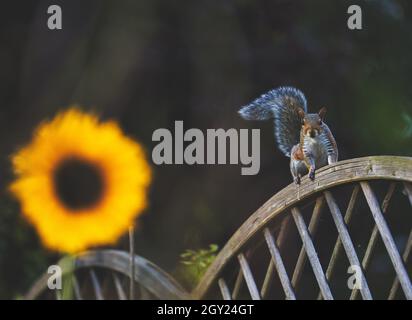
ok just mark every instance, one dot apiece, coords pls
pixel 149 63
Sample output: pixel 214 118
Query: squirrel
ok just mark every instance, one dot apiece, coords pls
pixel 302 136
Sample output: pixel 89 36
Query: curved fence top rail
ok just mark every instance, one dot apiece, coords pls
pixel 154 279
pixel 347 171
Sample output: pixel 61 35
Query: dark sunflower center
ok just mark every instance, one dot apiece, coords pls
pixel 78 183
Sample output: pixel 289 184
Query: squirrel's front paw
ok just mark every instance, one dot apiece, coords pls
pixel 297 180
pixel 312 175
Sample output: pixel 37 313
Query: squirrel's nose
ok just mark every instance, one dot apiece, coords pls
pixel 312 133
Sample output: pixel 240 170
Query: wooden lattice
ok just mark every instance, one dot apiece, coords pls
pixel 105 274
pixel 267 238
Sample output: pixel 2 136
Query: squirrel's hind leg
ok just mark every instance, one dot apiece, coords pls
pixel 297 164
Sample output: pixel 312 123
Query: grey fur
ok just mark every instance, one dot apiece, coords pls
pixel 278 104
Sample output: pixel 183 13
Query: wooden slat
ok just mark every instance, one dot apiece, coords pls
pixel 76 288
pixel 373 239
pixel 280 267
pixel 144 293
pixel 224 289
pixel 408 190
pixel 313 226
pixel 388 240
pixel 247 274
pixel 338 244
pixel 96 285
pixel 374 236
pixel 131 263
pixel 284 228
pixel 405 256
pixel 347 242
pixel 408 247
pixel 312 255
pixel 238 284
pixel 119 288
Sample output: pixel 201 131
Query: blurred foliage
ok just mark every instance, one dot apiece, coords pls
pixel 22 259
pixel 194 264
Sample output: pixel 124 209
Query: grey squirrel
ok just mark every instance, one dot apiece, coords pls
pixel 302 136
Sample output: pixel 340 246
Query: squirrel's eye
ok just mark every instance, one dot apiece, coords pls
pixel 320 121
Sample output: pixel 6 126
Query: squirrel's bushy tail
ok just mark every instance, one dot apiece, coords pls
pixel 282 104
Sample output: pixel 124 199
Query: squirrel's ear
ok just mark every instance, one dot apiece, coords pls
pixel 301 113
pixel 322 113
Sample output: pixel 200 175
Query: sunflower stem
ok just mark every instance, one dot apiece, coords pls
pixel 131 262
pixel 67 263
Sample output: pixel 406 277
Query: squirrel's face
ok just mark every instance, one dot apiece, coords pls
pixel 312 123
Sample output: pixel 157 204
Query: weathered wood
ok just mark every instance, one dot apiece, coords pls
pixel 144 293
pixel 284 228
pixel 96 285
pixel 147 274
pixel 119 288
pixel 347 242
pixel 374 237
pixel 405 257
pixel 131 263
pixel 347 171
pixel 408 247
pixel 313 226
pixel 247 274
pixel 388 240
pixel 280 267
pixel 224 289
pixel 338 243
pixel 76 289
pixel 238 284
pixel 38 287
pixel 312 256
pixel 408 190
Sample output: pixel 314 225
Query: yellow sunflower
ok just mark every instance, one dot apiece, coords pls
pixel 80 182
